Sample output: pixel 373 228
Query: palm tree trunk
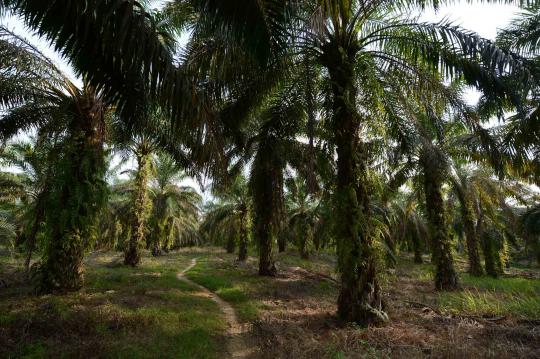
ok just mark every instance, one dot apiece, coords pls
pixel 282 241
pixel 230 245
pixel 304 239
pixel 417 248
pixel 445 275
pixel 475 266
pixel 33 233
pixel 242 250
pixel 156 246
pixel 78 196
pixel 282 231
pixel 360 297
pixel 132 256
pixel 266 177
pixel 489 257
pixel 266 259
pixel 487 245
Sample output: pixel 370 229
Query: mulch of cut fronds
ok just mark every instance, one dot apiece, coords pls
pixel 296 315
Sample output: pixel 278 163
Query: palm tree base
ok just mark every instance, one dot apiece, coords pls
pixel 268 271
pixel 362 309
pixel 132 257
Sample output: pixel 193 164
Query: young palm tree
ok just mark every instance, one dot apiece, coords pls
pixel 530 223
pixel 175 217
pixel 302 210
pixel 230 217
pixel 465 185
pixel 33 183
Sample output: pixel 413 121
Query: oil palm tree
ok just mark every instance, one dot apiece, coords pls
pixel 272 148
pixel 302 213
pixel 174 219
pixel 349 37
pixel 32 187
pixel 352 39
pixel 12 191
pixel 143 149
pixel 407 226
pixel 465 186
pixel 45 99
pixel 530 222
pixel 229 218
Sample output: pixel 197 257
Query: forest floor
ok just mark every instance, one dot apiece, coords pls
pixel 147 312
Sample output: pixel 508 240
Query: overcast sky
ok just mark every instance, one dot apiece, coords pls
pixel 484 19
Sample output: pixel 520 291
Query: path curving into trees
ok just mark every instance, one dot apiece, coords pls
pixel 236 346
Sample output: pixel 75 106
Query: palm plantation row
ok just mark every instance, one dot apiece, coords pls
pixel 335 125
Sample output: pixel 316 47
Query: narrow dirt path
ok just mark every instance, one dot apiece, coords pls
pixel 236 346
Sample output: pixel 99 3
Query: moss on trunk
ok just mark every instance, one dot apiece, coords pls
pixel 466 209
pixel 132 255
pixel 243 242
pixel 475 266
pixel 230 246
pixel 360 298
pixel 433 165
pixel 266 185
pixel 77 194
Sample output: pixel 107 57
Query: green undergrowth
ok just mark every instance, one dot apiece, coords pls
pixel 508 296
pixel 143 312
pixel 321 262
pixel 492 303
pixel 231 283
pixel 516 297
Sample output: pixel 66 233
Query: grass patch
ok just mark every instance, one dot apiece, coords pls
pixel 491 303
pixel 512 296
pixel 503 284
pixel 323 262
pixel 230 284
pixel 516 297
pixel 121 312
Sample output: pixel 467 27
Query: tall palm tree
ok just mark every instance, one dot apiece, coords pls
pixel 349 37
pixel 352 39
pixel 423 129
pixel 143 150
pixel 45 99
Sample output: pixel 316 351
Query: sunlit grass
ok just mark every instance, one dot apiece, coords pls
pixel 504 296
pixel 519 305
pixel 505 284
pixel 121 312
pixel 222 282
